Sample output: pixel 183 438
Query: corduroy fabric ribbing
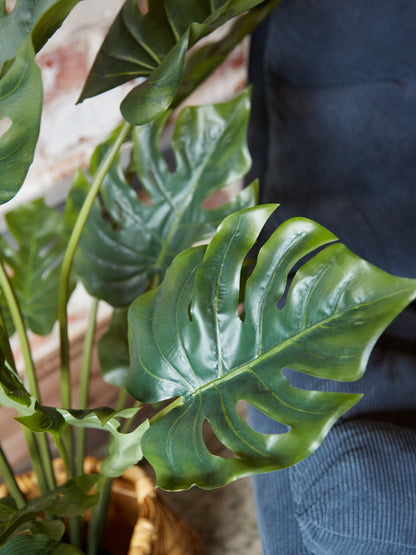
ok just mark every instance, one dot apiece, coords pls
pixel 356 493
pixel 333 136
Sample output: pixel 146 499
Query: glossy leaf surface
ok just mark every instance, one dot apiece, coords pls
pixel 154 46
pixel 121 251
pixel 38 19
pixel 20 107
pixel 187 339
pixel 38 544
pixel 202 61
pixel 124 449
pixel 23 31
pixel 48 16
pixel 35 260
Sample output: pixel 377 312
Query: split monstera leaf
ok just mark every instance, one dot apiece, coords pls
pixel 188 341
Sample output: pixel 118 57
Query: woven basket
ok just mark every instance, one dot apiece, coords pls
pixel 139 521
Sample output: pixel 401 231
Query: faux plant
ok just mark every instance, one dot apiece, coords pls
pixel 194 331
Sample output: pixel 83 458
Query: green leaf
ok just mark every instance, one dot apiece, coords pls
pixel 13 393
pixel 37 18
pixel 15 27
pixel 124 448
pixel 23 31
pixel 48 17
pixel 69 500
pixel 187 339
pixel 38 544
pixel 202 61
pixel 153 46
pixel 41 238
pixel 21 106
pixel 120 252
pixel 113 350
pixel 152 98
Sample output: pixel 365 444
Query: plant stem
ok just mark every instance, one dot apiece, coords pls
pixel 63 294
pixel 10 481
pixel 68 261
pixel 18 322
pixel 45 457
pixel 98 519
pixel 176 403
pixel 8 353
pixel 85 380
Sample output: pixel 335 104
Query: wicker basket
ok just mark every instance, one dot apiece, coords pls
pixel 139 521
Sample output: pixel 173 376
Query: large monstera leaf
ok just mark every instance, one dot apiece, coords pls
pixel 121 250
pixel 23 31
pixel 187 340
pixel 35 258
pixel 154 46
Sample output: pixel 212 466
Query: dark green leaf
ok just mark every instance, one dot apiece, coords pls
pixel 204 60
pixel 187 339
pixel 113 350
pixel 41 239
pixel 69 500
pixel 13 393
pixel 21 92
pixel 153 46
pixel 37 18
pixel 48 17
pixel 120 252
pixel 15 27
pixel 21 106
pixel 38 544
pixel 152 98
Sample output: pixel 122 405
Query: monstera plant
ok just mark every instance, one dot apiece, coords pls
pixel 195 329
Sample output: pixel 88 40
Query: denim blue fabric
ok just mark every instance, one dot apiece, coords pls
pixel 333 138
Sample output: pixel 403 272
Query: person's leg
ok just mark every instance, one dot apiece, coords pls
pixel 339 77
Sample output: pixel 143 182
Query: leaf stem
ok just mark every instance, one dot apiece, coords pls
pixel 46 462
pixel 176 403
pixel 63 293
pixel 10 481
pixel 98 519
pixel 84 382
pixel 18 322
pixel 68 261
pixel 35 459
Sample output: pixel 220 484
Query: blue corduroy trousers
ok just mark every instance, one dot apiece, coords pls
pixel 333 138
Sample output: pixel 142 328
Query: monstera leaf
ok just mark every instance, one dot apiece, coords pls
pixel 124 448
pixel 154 46
pixel 73 498
pixel 48 16
pixel 20 110
pixel 41 239
pixel 38 19
pixel 188 340
pixel 121 250
pixel 38 544
pixel 23 31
